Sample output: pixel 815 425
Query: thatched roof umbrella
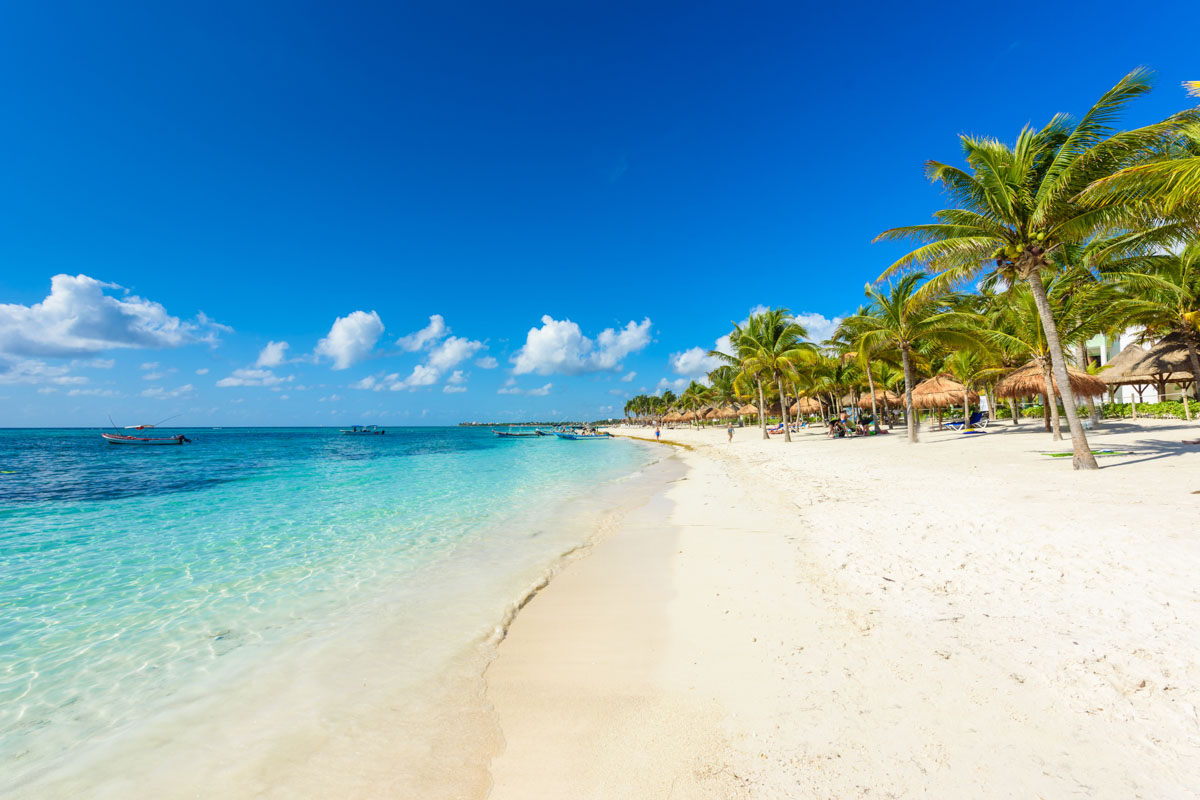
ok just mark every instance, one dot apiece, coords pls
pixel 712 413
pixel 941 391
pixel 689 416
pixel 1030 380
pixel 1119 371
pixel 805 405
pixel 1168 359
pixel 881 396
pixel 728 412
pixel 1169 362
pixel 748 411
pixel 1122 371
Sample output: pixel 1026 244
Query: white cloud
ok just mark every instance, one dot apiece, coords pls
pixel 487 362
pixel 153 376
pixel 560 346
pixel 818 326
pixel 78 318
pixel 420 376
pixel 94 363
pixel 333 398
pixel 452 352
pixel 351 338
pixel 272 355
pixel 93 393
pixel 149 365
pixel 626 378
pixel 202 371
pixel 693 362
pixel 455 383
pixel 159 393
pixel 254 377
pixel 450 389
pixel 212 328
pixel 34 372
pixel 676 386
pixel 435 330
pixel 457 378
pixel 511 388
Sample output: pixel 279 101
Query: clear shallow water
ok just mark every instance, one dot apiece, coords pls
pixel 128 575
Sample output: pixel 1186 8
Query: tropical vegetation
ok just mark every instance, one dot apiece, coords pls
pixel 1069 231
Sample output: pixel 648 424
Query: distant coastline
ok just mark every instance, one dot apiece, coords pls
pixel 544 424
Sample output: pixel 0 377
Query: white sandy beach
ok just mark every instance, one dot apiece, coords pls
pixel 863 618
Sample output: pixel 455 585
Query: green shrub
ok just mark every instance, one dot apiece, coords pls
pixel 1166 409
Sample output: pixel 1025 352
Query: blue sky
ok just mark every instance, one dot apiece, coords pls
pixel 559 195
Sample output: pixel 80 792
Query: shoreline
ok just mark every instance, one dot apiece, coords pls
pixel 355 704
pixel 962 617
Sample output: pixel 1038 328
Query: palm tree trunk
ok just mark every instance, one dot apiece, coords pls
pixel 874 408
pixel 762 410
pixel 1083 457
pixel 1050 405
pixel 787 430
pixel 1190 338
pixel 1081 359
pixel 1012 405
pixel 909 415
pixel 966 406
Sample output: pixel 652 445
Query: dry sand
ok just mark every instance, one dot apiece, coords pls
pixel 863 618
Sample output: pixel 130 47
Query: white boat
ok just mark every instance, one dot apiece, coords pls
pixel 364 430
pixel 121 438
pixel 125 438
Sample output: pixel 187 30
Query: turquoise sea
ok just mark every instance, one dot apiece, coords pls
pixel 146 590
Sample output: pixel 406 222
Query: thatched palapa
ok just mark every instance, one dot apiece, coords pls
pixel 805 405
pixel 1031 380
pixel 881 396
pixel 728 412
pixel 1168 361
pixel 1121 370
pixel 940 391
pixel 748 411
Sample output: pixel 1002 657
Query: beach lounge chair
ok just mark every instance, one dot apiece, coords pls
pixel 977 421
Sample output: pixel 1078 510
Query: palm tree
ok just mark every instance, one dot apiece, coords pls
pixel 771 347
pixel 970 368
pixel 1014 325
pixel 722 381
pixel 1167 291
pixel 907 315
pixel 695 397
pixel 1168 181
pixel 1017 205
pixel 848 338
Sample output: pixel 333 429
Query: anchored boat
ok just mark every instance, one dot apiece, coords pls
pixel 364 430
pixel 119 438
pixel 124 438
pixel 511 434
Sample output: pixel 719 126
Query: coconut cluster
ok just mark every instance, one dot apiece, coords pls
pixel 1011 252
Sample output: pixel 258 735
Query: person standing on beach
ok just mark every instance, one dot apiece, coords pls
pixel 730 431
pixel 657 433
